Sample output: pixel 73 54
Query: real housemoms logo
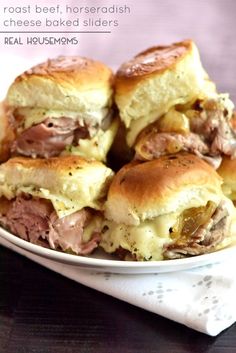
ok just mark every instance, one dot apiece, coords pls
pixel 58 24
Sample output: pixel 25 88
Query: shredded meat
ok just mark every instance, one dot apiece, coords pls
pixel 204 239
pixel 224 140
pixel 158 144
pixel 125 255
pixel 34 220
pixel 211 135
pixel 215 161
pixel 213 125
pixel 48 138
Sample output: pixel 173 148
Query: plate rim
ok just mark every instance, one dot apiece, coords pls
pixel 171 265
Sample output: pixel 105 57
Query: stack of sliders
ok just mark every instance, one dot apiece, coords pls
pixel 170 199
pixel 166 203
pixel 58 124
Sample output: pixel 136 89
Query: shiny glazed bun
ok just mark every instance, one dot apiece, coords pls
pixel 142 191
pixel 65 83
pixel 69 182
pixel 147 86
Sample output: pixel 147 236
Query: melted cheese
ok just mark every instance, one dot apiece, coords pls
pixel 62 204
pixel 96 147
pixel 34 116
pixel 229 191
pixel 145 241
pixel 207 92
pixel 93 226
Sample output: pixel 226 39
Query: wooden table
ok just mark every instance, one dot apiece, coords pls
pixel 43 312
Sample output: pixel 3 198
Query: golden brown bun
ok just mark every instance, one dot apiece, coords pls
pixel 70 182
pixel 142 191
pixel 69 83
pixel 150 62
pixel 147 86
pixel 227 171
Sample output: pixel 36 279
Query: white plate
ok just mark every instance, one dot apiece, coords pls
pixel 102 262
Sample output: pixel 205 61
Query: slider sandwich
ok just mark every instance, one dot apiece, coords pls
pixel 63 106
pixel 168 104
pixel 54 202
pixel 168 208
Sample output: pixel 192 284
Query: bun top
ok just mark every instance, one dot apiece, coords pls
pixel 155 59
pixel 70 182
pixel 142 191
pixel 162 77
pixel 63 83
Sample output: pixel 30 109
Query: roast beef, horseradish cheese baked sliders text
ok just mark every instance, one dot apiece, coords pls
pixel 168 208
pixel 54 202
pixel 63 105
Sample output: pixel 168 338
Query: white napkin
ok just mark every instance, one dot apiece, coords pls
pixel 202 298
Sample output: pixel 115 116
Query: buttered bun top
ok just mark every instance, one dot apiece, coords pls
pixel 152 82
pixel 69 182
pixel 70 83
pixel 142 191
pixel 153 60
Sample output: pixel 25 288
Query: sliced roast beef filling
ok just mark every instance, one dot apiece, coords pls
pixel 53 135
pixel 49 138
pixel 34 220
pixel 158 144
pixel 210 134
pixel 204 239
pixel 213 124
